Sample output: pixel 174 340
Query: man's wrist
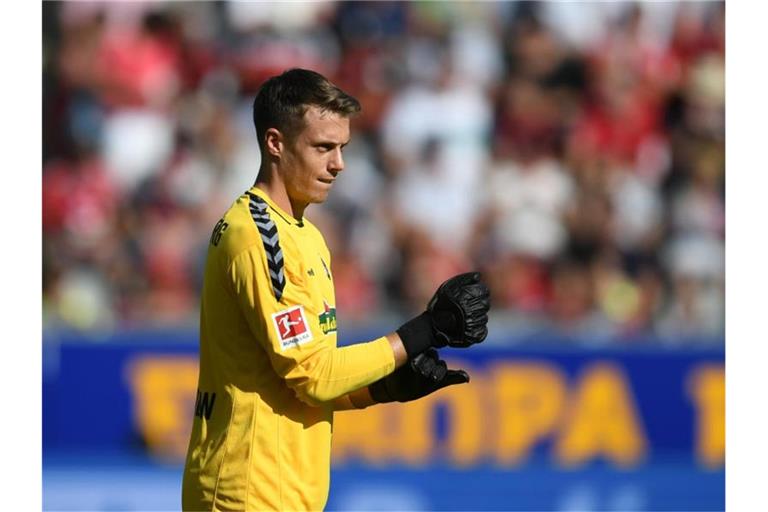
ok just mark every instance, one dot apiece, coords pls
pixel 361 398
pixel 398 349
pixel 379 393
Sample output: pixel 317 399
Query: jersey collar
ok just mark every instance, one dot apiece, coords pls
pixel 287 217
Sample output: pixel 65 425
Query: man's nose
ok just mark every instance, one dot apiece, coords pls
pixel 337 162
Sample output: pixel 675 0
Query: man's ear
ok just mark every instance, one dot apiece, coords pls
pixel 274 142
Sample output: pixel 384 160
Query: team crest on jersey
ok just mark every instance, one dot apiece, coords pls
pixel 291 327
pixel 328 319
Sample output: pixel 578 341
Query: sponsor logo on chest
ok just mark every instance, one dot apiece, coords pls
pixel 328 319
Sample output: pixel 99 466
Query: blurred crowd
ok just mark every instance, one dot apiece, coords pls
pixel 572 152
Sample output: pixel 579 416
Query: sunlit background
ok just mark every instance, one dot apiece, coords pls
pixel 572 152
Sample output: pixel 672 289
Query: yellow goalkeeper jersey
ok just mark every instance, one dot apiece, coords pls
pixel 269 365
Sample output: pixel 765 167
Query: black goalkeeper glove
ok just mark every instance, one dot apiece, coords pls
pixel 457 316
pixel 425 374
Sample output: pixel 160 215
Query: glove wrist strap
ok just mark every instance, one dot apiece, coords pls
pixel 417 335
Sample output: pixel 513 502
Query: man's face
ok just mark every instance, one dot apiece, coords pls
pixel 313 157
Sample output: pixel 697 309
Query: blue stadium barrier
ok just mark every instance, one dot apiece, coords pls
pixel 542 426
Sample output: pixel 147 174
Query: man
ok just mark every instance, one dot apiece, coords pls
pixel 271 375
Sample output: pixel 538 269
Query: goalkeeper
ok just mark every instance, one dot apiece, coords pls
pixel 271 375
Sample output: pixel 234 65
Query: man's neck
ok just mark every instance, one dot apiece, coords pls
pixel 270 182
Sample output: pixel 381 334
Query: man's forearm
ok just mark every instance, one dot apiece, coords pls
pixel 361 398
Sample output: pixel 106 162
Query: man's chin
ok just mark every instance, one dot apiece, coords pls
pixel 320 196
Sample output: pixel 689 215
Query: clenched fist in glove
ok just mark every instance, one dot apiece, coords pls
pixel 457 316
pixel 423 375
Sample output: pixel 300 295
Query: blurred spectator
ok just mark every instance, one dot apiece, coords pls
pixel 528 199
pixel 573 153
pixel 572 307
pixel 433 137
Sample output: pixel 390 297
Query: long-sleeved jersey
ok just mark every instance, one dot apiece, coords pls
pixel 269 365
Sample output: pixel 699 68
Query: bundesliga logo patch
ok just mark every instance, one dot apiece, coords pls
pixel 291 327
